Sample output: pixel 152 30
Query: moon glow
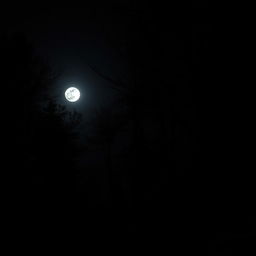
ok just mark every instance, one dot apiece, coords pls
pixel 72 94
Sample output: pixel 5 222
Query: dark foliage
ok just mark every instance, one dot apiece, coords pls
pixel 41 141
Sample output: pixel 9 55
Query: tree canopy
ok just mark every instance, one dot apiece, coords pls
pixel 42 138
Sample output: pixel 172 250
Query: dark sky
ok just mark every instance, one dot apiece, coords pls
pixel 173 44
pixel 72 36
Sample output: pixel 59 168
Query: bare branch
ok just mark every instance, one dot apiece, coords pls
pixel 116 85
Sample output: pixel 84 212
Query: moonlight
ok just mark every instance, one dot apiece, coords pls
pixel 72 94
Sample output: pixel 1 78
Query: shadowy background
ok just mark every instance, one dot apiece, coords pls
pixel 140 146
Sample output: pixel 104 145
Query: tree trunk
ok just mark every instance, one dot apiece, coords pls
pixel 109 172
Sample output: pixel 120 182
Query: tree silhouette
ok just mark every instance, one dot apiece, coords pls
pixel 161 87
pixel 105 125
pixel 56 143
pixel 42 132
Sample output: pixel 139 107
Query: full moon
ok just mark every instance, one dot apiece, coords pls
pixel 72 94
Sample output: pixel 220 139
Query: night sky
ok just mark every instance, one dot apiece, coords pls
pixel 134 147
